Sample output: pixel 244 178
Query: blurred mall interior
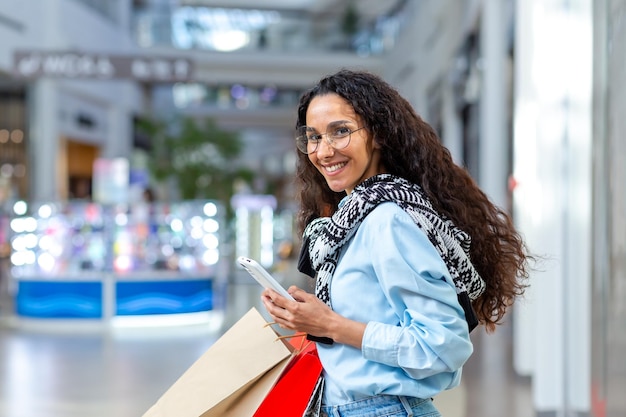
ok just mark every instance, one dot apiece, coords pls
pixel 144 144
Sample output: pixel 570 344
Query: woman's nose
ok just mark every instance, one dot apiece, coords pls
pixel 324 148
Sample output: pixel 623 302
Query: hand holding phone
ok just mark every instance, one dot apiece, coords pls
pixel 262 276
pixel 267 281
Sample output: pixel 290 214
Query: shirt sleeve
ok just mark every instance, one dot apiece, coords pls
pixel 431 335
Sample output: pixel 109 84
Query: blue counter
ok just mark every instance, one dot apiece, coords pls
pixel 107 296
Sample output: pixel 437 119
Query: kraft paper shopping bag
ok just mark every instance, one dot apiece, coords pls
pixel 232 377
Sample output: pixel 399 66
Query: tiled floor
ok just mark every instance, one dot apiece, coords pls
pixel 95 371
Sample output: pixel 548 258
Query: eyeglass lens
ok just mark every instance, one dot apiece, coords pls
pixel 337 135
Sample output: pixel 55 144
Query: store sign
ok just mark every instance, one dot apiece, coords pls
pixel 35 64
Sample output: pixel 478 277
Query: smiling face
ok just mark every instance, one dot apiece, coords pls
pixel 343 168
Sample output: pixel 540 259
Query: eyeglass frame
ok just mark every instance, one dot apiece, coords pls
pixel 332 142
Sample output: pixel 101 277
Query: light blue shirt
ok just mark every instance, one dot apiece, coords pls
pixel 391 277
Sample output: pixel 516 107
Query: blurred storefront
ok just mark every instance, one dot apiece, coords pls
pixel 110 262
pixel 13 144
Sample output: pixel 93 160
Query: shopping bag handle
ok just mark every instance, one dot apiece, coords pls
pixel 301 335
pixel 318 339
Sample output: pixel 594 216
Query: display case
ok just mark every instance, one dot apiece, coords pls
pixel 86 260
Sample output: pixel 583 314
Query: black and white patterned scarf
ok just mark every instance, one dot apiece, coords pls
pixel 325 236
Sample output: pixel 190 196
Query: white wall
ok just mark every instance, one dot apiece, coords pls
pixel 425 57
pixel 553 198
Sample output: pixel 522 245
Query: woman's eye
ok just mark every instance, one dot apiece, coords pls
pixel 341 131
pixel 314 138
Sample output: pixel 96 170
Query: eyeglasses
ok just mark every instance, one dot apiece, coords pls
pixel 337 136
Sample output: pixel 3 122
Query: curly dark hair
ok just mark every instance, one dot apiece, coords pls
pixel 410 148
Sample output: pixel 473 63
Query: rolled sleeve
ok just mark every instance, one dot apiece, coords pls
pixel 380 343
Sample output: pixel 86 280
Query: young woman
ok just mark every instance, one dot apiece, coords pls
pixel 408 253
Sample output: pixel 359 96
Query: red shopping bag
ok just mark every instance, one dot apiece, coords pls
pixel 291 394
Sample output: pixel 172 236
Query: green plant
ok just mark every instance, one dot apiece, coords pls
pixel 350 20
pixel 197 155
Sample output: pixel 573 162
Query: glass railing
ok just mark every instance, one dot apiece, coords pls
pixel 237 96
pixel 227 30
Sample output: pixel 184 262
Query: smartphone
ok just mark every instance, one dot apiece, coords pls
pixel 262 276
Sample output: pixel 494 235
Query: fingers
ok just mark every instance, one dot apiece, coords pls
pixel 280 316
pixel 293 315
pixel 275 298
pixel 275 304
pixel 298 293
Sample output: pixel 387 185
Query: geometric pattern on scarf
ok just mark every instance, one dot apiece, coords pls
pixel 327 235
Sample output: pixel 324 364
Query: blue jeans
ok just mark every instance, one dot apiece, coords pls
pixel 384 405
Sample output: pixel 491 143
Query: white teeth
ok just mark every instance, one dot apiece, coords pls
pixel 335 167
